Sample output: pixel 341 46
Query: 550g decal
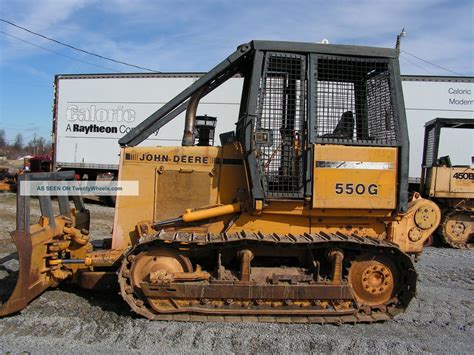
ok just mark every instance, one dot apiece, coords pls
pixel 356 189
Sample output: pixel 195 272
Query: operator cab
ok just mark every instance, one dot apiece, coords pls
pixel 297 99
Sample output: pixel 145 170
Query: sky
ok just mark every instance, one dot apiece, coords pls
pixel 193 36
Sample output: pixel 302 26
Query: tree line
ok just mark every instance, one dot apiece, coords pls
pixel 36 145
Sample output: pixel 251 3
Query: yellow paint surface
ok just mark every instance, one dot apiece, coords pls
pixel 354 177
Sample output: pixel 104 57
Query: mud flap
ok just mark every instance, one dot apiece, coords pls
pixel 32 241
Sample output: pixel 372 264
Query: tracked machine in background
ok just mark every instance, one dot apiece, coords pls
pixel 451 187
pixel 7 180
pixel 302 215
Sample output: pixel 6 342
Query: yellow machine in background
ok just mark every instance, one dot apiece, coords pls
pixel 451 187
pixel 301 215
pixel 7 180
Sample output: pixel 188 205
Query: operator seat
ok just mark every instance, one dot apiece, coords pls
pixel 445 161
pixel 344 128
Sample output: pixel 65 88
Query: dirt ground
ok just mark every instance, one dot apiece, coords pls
pixel 439 320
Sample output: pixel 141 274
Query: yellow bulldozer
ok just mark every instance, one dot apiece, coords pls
pixel 450 186
pixel 302 214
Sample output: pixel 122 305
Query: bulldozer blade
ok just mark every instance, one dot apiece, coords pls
pixel 31 242
pixel 31 282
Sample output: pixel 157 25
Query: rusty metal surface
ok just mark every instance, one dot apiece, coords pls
pixel 31 282
pixel 19 297
pixel 103 258
pixel 372 279
pixel 247 292
pixel 219 300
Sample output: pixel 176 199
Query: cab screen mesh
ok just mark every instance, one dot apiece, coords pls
pixel 280 125
pixel 354 101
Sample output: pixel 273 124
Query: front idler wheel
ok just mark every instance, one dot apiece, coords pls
pixel 158 265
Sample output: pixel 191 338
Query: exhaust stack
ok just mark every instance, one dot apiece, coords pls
pixel 190 120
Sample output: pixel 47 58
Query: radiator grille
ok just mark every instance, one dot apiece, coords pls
pixel 429 154
pixel 280 125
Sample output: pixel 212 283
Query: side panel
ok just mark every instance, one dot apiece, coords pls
pixel 456 182
pixel 353 177
pixel 173 179
pixel 462 181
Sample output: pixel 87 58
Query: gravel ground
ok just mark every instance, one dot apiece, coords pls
pixel 439 320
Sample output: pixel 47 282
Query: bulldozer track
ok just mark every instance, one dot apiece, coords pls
pixel 365 314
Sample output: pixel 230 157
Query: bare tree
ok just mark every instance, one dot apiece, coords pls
pixel 38 146
pixel 3 141
pixel 18 142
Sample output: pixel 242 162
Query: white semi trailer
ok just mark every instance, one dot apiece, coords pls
pixel 91 112
pixel 429 97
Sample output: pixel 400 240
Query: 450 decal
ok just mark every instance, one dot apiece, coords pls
pixel 463 176
pixel 357 189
